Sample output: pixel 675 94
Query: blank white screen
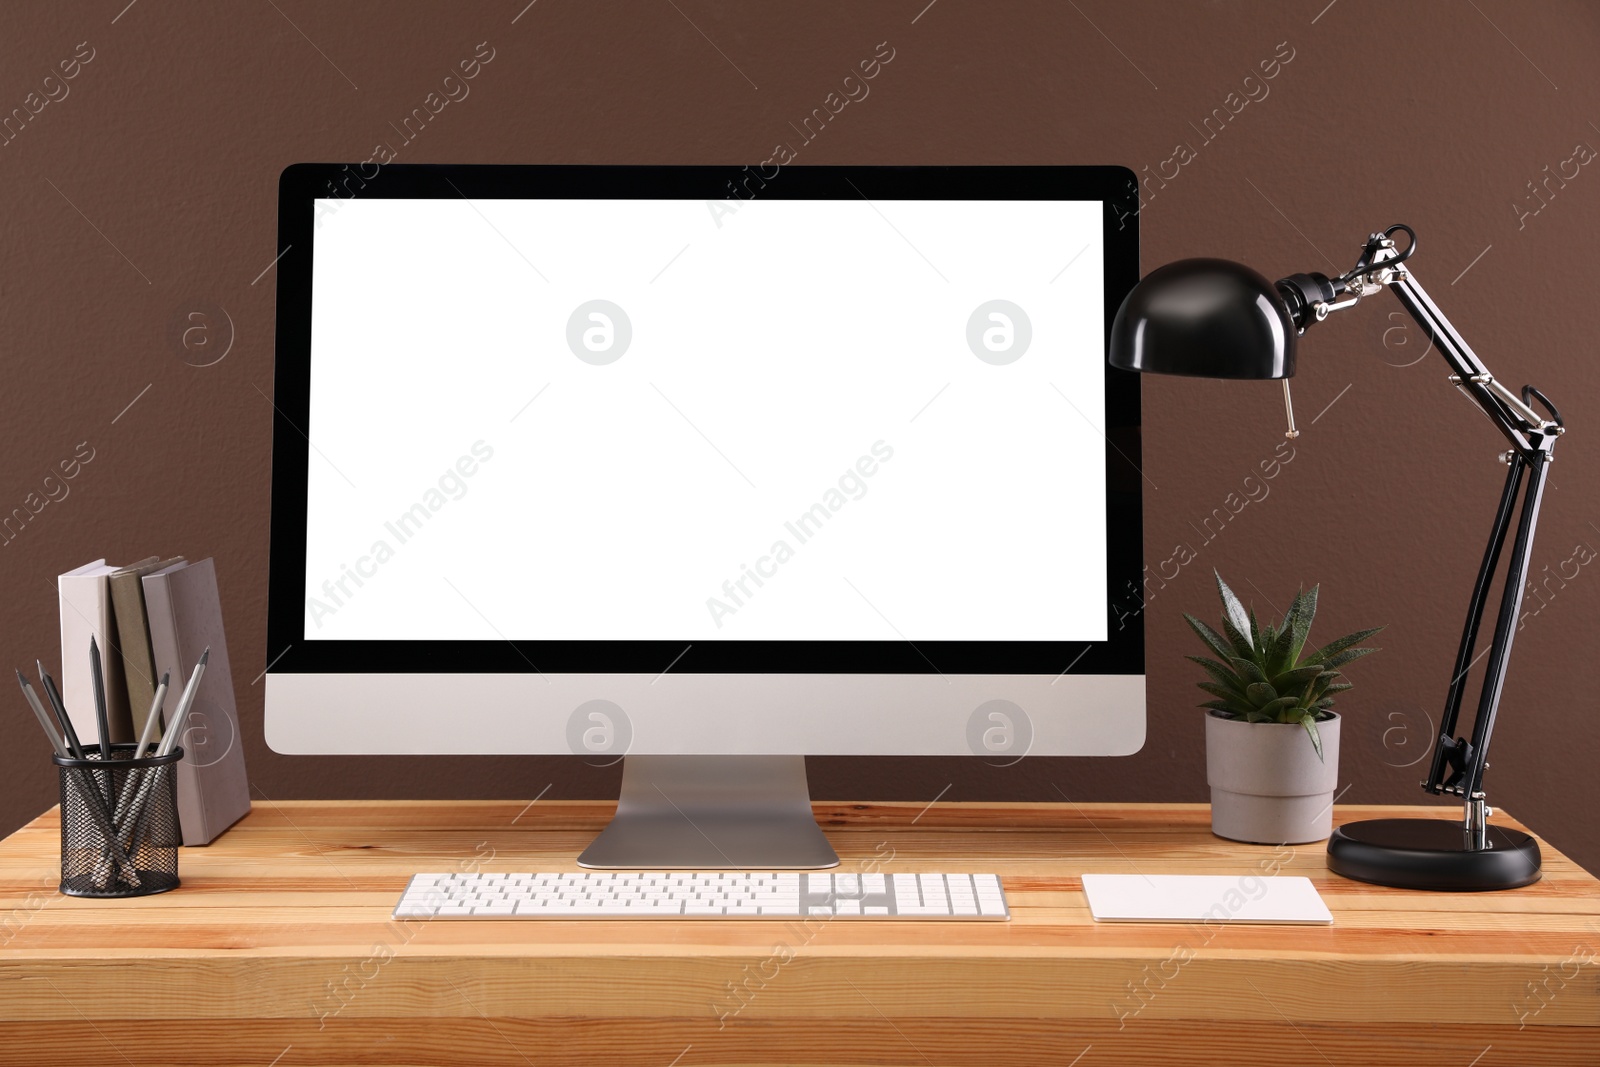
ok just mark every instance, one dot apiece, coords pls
pixel 786 358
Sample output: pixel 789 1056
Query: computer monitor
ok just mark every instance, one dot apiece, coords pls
pixel 708 468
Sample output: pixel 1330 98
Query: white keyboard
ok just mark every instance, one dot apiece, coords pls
pixel 647 895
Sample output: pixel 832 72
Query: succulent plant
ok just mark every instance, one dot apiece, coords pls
pixel 1263 675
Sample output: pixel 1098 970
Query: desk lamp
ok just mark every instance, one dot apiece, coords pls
pixel 1216 319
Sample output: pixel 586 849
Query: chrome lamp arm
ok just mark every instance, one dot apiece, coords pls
pixel 1459 763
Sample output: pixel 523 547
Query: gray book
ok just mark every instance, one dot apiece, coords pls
pixel 185 616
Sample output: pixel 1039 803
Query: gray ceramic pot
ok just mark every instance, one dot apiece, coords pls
pixel 1267 785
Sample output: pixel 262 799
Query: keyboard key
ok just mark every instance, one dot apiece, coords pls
pixel 634 895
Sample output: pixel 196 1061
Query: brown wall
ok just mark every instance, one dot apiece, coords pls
pixel 149 191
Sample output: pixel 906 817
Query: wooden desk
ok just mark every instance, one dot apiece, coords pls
pixel 279 950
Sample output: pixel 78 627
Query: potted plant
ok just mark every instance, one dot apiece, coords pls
pixel 1272 739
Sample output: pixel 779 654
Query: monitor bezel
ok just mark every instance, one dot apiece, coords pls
pixel 300 185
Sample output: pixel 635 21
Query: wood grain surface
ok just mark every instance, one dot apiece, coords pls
pixel 279 950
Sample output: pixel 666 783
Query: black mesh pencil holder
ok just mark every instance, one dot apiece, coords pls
pixel 119 823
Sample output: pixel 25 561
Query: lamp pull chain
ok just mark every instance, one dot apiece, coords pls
pixel 1288 409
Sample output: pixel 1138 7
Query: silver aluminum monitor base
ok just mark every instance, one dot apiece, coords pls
pixel 721 813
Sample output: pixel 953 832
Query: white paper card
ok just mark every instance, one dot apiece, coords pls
pixel 1207 898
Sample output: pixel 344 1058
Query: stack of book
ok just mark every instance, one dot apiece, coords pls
pixel 152 618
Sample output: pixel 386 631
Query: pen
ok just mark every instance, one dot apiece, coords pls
pixel 74 746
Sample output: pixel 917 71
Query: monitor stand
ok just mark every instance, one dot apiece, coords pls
pixel 723 813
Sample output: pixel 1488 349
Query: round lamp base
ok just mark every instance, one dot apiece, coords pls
pixel 1432 854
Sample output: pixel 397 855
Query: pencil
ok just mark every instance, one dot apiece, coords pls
pixel 134 812
pixel 74 746
pixel 40 714
pixel 100 717
pixel 170 738
pixel 144 744
pixel 97 812
pixel 155 716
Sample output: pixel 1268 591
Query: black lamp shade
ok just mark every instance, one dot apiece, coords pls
pixel 1204 318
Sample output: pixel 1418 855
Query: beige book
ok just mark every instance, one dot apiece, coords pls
pixel 133 636
pixel 85 595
